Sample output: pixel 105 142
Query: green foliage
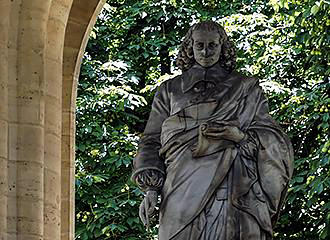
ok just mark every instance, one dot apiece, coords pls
pixel 133 47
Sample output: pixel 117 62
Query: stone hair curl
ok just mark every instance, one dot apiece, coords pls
pixel 186 59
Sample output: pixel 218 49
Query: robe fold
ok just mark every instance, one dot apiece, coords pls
pixel 198 168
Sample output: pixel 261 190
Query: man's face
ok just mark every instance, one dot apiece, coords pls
pixel 206 47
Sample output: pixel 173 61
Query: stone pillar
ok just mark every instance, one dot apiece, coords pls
pixel 30 126
pixel 12 220
pixel 36 134
pixel 59 12
pixel 4 27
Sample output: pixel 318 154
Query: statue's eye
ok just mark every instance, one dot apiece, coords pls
pixel 212 45
pixel 199 45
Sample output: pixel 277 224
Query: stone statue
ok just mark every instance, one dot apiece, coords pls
pixel 210 149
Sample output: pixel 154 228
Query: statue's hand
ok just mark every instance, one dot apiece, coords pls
pixel 147 207
pixel 221 131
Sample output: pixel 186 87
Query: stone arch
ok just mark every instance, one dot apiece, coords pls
pixel 41 45
pixel 74 47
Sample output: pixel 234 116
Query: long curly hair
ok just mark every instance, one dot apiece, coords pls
pixel 186 59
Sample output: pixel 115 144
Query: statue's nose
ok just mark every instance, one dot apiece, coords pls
pixel 205 52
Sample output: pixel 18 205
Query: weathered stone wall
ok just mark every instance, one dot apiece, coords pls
pixel 41 45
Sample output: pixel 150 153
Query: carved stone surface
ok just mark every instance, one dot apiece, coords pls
pixel 220 162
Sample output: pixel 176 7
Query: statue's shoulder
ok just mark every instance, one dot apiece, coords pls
pixel 246 82
pixel 173 79
pixel 171 82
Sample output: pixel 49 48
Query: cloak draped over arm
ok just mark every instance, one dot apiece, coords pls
pixel 273 157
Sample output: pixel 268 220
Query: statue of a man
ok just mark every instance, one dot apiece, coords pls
pixel 210 149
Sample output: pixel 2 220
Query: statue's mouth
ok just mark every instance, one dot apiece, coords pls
pixel 206 60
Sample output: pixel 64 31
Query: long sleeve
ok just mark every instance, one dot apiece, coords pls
pixel 148 157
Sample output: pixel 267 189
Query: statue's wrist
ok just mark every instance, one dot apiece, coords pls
pixel 244 137
pixel 152 193
pixel 152 190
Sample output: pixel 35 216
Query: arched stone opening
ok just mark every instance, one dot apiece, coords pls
pixel 74 47
pixel 41 45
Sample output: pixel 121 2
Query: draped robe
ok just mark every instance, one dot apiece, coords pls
pixel 197 167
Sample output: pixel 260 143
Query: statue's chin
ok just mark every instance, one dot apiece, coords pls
pixel 206 63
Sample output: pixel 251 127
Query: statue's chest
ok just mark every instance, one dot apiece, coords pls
pixel 201 101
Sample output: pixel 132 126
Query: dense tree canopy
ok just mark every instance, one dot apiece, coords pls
pixel 132 49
